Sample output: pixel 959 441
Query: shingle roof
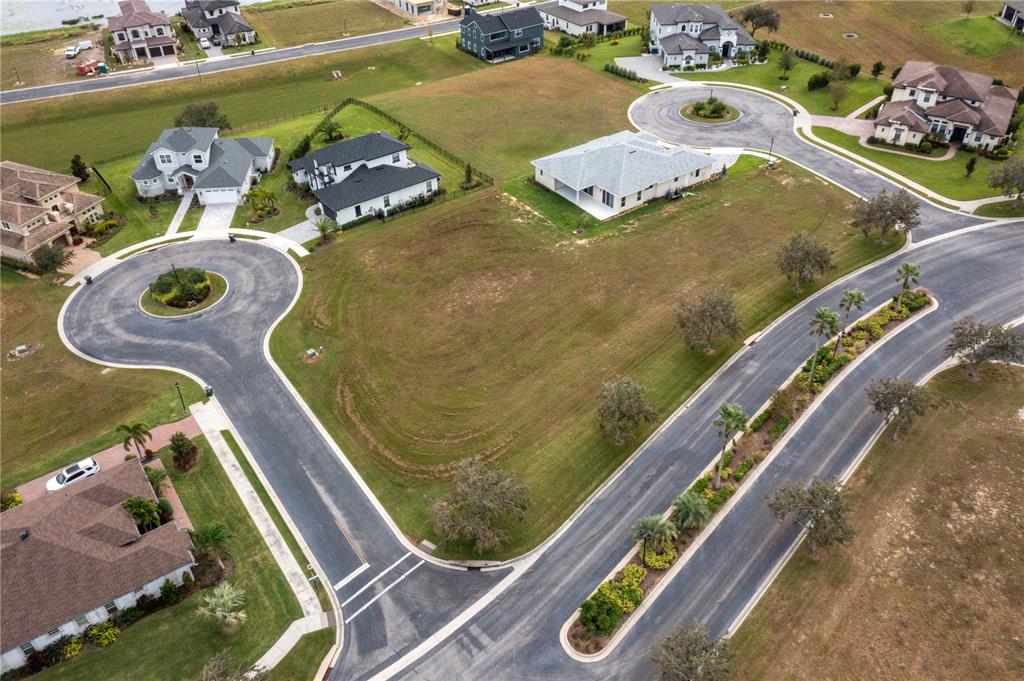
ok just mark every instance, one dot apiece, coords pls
pixel 362 148
pixel 1015 4
pixel 230 161
pixel 229 22
pixel 365 184
pixel 907 113
pixel 678 13
pixel 82 551
pixel 184 139
pixel 492 22
pixel 146 170
pixel 677 43
pixel 580 18
pixel 947 80
pixel 622 163
pixel 136 13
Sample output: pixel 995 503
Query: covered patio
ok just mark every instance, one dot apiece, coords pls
pixel 586 202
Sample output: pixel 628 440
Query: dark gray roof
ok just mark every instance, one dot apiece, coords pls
pixel 492 22
pixel 677 43
pixel 233 23
pixel 230 161
pixel 363 148
pixel 677 13
pixel 229 22
pixel 184 139
pixel 210 5
pixel 584 18
pixel 367 183
pixel 146 170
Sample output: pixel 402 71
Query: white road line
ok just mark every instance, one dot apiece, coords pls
pixel 352 575
pixel 367 585
pixel 389 587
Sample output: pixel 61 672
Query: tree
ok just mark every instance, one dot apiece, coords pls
pixel 759 16
pixel 587 40
pixel 787 62
pixel 50 258
pixel 143 512
pixel 224 606
pixel 852 298
pixel 481 499
pixel 222 668
pixel 805 259
pixel 877 68
pixel 822 507
pixel 899 401
pixel 764 48
pixel 623 408
pixel 468 176
pixel 906 274
pixel 211 539
pixel 184 452
pixel 824 324
pixel 301 148
pixel 968 7
pixel 840 69
pixel 1009 177
pixel 972 343
pixel 702 322
pixel 156 477
pixel 731 419
pixel 331 130
pixel 692 655
pixel 655 531
pixel 886 212
pixel 691 511
pixel 327 227
pixel 969 168
pixel 135 433
pixel 78 168
pixel 202 115
pixel 837 92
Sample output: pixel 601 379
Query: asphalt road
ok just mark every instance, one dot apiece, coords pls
pixel 130 78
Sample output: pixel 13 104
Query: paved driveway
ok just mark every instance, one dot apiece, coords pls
pixel 217 216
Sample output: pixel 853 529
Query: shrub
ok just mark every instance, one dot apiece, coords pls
pixel 760 419
pixel 102 634
pixel 71 648
pixel 887 90
pixel 916 300
pixel 852 70
pixel 897 314
pixel 779 426
pixel 170 593
pixel 719 498
pixel 727 457
pixel 633 574
pixel 184 452
pixel 818 81
pixel 9 498
pixel 744 468
pixel 625 596
pixel 600 614
pixel 660 561
pixel 166 510
pixel 127 616
pixel 147 603
pixel 925 146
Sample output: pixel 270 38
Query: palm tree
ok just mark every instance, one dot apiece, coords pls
pixel 331 131
pixel 211 539
pixel 136 433
pixel 224 604
pixel 269 199
pixel 907 274
pixel 326 227
pixel 656 530
pixel 731 419
pixel 691 511
pixel 143 512
pixel 156 478
pixel 825 323
pixel 852 298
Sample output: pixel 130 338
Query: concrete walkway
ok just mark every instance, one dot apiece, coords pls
pixel 857 113
pixel 217 216
pixel 303 231
pixel 179 215
pixel 851 126
pixel 290 637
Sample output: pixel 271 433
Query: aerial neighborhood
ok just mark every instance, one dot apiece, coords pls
pixel 557 339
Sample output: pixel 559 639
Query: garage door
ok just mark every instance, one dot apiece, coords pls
pixel 168 50
pixel 220 196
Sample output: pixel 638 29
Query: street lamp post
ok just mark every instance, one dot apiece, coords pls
pixel 199 73
pixel 177 386
pixel 174 269
pixel 771 146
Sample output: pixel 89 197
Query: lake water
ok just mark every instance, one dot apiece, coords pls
pixel 17 16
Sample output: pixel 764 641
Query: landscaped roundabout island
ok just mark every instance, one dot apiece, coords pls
pixel 183 291
pixel 710 110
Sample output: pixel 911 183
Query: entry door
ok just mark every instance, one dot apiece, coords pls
pixel 607 199
pixel 359 211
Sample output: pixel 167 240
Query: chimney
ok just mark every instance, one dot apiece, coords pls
pixel 23 533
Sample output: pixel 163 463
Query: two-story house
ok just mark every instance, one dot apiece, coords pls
pixel 419 8
pixel 577 17
pixel 959 106
pixel 367 175
pixel 687 35
pixel 139 33
pixel 209 18
pixel 198 159
pixel 40 207
pixel 500 36
pixel 1012 14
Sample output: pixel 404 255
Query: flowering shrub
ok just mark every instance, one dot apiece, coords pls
pixel 71 647
pixel 633 574
pixel 660 561
pixel 102 634
pixel 626 596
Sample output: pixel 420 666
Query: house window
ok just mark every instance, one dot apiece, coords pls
pixel 347 167
pixel 165 159
pixel 159 31
pixel 139 589
pixel 135 34
pixel 53 632
pixel 387 201
pixel 359 211
pixel 927 97
pixel 430 186
pixel 911 92
pixel 5 225
pixel 395 157
pixel 697 173
pixel 120 37
pixel 27 648
pixel 899 134
pixel 197 158
pixel 977 137
pixel 517 33
pixel 638 196
pixel 111 607
pixel 82 621
pixel 524 48
pixel 622 202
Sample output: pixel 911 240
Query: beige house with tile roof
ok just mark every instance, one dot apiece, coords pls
pixel 140 34
pixel 40 207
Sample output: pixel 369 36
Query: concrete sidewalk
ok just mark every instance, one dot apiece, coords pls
pixel 290 637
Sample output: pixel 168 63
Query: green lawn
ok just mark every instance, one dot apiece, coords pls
pixel 38 388
pixel 862 89
pixel 296 22
pixel 979 36
pixel 189 45
pixel 1002 209
pixel 298 665
pixel 175 642
pixel 945 177
pixel 478 328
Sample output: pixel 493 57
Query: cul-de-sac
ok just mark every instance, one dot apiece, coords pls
pixel 487 340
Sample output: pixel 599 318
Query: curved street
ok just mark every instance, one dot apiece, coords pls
pixel 516 635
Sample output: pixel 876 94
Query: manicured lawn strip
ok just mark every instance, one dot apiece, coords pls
pixel 1002 209
pixel 218 287
pixel 862 89
pixel 282 526
pixel 899 601
pixel 297 22
pixel 945 177
pixel 192 216
pixel 174 643
pixel 978 36
pixel 57 407
pixel 302 663
pixel 474 327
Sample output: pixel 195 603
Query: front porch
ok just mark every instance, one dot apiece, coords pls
pixel 588 203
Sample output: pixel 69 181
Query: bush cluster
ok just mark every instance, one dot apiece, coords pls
pixel 660 561
pixel 617 70
pixel 626 591
pixel 819 80
pixel 712 107
pixel 102 634
pixel 815 58
pixel 600 614
pixel 826 365
pixel 744 468
pixel 189 286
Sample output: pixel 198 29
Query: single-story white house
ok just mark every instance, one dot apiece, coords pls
pixel 577 17
pixel 218 170
pixel 612 174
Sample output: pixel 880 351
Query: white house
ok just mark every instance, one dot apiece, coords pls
pixel 73 558
pixel 139 33
pixel 366 175
pixel 1012 14
pixel 419 8
pixel 577 17
pixel 209 18
pixel 687 35
pixel 218 170
pixel 612 174
pixel 960 106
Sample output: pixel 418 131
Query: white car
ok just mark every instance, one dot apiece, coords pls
pixel 72 52
pixel 77 471
pixel 204 43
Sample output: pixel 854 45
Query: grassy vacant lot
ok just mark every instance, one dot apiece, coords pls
pixel 892 32
pixel 302 662
pixel 862 89
pixel 57 407
pixel 478 328
pixel 38 56
pixel 933 585
pixel 945 177
pixel 175 643
pixel 636 10
pixel 296 22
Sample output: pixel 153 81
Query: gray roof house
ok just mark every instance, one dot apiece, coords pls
pixel 687 35
pixel 500 36
pixel 1012 14
pixel 209 18
pixel 325 166
pixel 198 159
pixel 611 174
pixel 577 17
